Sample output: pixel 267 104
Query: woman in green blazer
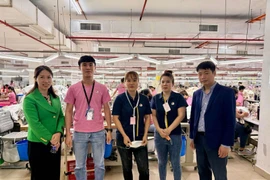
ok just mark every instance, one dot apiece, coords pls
pixel 42 110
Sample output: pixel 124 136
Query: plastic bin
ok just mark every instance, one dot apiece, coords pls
pixel 184 146
pixel 108 150
pixel 22 147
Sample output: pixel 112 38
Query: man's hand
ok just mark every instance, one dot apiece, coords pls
pixel 192 145
pixel 223 152
pixel 109 137
pixel 68 140
pixel 144 141
pixel 127 141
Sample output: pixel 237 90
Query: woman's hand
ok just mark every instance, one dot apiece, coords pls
pixel 56 138
pixel 162 133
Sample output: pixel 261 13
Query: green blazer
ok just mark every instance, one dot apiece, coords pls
pixel 43 119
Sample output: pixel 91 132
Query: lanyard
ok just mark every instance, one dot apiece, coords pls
pixel 133 114
pixel 165 118
pixel 134 108
pixel 88 100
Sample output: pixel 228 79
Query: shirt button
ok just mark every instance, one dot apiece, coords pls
pixel 54 116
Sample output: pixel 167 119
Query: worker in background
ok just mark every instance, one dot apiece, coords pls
pixel 240 99
pixel 168 110
pixel 43 112
pixel 88 97
pixel 212 123
pixel 186 97
pixel 120 88
pixel 131 115
pixel 153 90
pixel 242 130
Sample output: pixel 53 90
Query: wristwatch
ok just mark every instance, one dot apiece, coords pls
pixel 108 129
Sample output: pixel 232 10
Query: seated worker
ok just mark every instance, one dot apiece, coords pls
pixel 241 130
pixel 11 95
pixel 186 97
pixel 148 94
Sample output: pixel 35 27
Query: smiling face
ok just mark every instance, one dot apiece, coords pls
pixel 206 77
pixel 44 80
pixel 88 69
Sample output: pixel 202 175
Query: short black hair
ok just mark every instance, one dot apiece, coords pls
pixel 241 88
pixel 152 87
pixel 122 80
pixel 235 90
pixel 206 65
pixel 86 59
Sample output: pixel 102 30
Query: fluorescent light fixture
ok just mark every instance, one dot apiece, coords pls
pixel 71 71
pixel 52 57
pixel 119 59
pixel 55 71
pixel 78 57
pixel 147 59
pixel 183 60
pixel 184 72
pixel 76 6
pixel 240 61
pixel 30 70
pixel 24 76
pixel 10 71
pixel 214 60
pixel 20 58
pixel 72 56
pixel 244 72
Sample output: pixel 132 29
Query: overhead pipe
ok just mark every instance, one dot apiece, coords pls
pixel 159 39
pixel 12 50
pixel 143 9
pixel 16 29
pixel 259 18
pixel 202 44
pixel 81 9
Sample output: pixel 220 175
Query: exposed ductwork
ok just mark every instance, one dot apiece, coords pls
pixel 16 29
pixel 159 39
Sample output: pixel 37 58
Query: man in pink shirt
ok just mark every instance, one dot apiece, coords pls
pixel 88 97
pixel 240 99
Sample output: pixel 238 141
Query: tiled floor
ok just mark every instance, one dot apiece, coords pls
pixel 238 169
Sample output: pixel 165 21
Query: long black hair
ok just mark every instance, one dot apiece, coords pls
pixel 36 74
pixel 12 89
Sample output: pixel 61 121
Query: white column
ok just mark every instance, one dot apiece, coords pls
pixel 263 152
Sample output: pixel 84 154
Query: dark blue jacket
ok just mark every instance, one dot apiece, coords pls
pixel 219 116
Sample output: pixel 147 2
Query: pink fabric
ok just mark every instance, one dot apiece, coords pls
pixel 12 98
pixel 240 98
pixel 121 88
pixel 154 93
pixel 76 96
pixel 189 101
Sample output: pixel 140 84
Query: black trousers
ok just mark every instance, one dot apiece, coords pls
pixel 141 158
pixel 44 164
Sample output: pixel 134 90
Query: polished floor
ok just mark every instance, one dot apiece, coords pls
pixel 238 169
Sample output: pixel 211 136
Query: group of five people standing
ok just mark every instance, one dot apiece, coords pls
pixel 212 124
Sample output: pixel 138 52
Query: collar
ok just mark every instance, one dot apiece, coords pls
pixel 161 95
pixel 136 96
pixel 211 88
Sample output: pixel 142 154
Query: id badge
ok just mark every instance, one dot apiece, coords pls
pixel 166 107
pixel 90 114
pixel 132 120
